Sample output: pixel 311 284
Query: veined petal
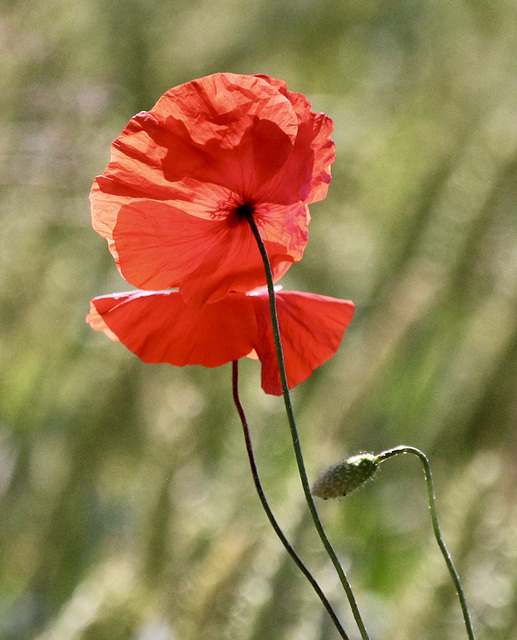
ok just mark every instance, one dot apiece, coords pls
pixel 234 266
pixel 286 226
pixel 306 174
pixel 324 155
pixel 222 105
pixel 231 130
pixel 168 201
pixel 263 148
pixel 311 329
pixel 160 246
pixel 159 327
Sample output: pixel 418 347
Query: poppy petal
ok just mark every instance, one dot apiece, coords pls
pixel 260 153
pixel 206 148
pixel 159 327
pixel 160 246
pixel 311 329
pixel 306 174
pixel 222 105
pixel 230 130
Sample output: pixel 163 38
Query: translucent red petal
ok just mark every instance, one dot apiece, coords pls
pixel 204 148
pixel 160 246
pixel 311 329
pixel 159 327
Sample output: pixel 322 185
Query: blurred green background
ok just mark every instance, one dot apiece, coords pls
pixel 127 510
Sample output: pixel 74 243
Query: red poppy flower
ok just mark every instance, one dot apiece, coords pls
pixel 184 177
pixel 159 326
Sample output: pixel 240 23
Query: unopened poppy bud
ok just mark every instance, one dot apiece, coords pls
pixel 342 478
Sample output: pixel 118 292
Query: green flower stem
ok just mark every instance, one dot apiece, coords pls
pixel 437 534
pixel 267 509
pixel 295 438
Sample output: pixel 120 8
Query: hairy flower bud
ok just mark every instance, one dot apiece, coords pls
pixel 343 477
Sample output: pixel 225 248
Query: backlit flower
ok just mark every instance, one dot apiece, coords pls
pixel 183 178
pixel 159 326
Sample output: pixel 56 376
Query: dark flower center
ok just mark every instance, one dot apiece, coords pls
pixel 245 211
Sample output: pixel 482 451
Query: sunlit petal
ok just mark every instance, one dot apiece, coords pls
pixel 159 327
pixel 311 328
pixel 205 149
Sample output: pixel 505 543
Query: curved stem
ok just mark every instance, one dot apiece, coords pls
pixel 437 534
pixel 294 434
pixel 267 509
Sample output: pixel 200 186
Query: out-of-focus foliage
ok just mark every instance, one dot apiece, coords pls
pixel 127 511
